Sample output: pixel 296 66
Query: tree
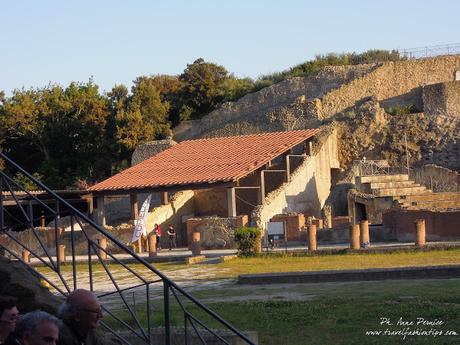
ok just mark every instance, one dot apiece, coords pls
pixel 59 133
pixel 203 87
pixel 146 99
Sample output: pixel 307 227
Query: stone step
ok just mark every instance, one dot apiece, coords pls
pixel 433 196
pixel 382 178
pixel 399 191
pixel 434 204
pixel 393 184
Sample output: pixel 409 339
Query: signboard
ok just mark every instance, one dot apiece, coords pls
pixel 275 228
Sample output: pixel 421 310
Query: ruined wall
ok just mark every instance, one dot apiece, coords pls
pixel 259 103
pixel 180 205
pixel 390 80
pixel 149 149
pixel 309 186
pixel 299 102
pixel 437 178
pixel 439 225
pixel 442 99
pixel 211 202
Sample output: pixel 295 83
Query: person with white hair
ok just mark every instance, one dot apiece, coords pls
pixel 36 328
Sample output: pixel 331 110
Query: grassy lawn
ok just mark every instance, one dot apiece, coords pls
pixel 338 262
pixel 327 313
pixel 338 313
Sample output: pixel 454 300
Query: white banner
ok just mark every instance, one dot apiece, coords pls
pixel 139 222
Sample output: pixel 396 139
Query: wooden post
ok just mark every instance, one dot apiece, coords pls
pixel 354 236
pixel 262 186
pixel 196 244
pixel 231 202
pixel 103 244
pixel 152 245
pixel 312 238
pixel 134 205
pixel 364 233
pixel 164 198
pixel 310 148
pixel 420 237
pixel 288 169
pixel 89 201
pixel 101 210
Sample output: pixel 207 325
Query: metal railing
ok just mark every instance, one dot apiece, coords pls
pixel 368 167
pixel 95 271
pixel 430 51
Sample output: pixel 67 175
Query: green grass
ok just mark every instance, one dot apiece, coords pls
pixel 337 313
pixel 267 264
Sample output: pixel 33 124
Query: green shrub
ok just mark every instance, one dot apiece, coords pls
pixel 398 110
pixel 248 240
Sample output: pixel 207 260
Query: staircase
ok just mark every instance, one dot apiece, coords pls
pixel 376 178
pixel 99 270
pixel 392 185
pixel 431 201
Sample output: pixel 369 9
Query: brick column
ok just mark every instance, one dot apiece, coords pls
pixel 26 256
pixel 103 244
pixel 420 236
pixel 62 257
pixel 196 244
pixel 364 233
pixel 354 236
pixel 312 238
pixel 152 245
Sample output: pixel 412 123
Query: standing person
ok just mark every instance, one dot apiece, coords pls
pixel 157 230
pixel 172 237
pixel 9 314
pixel 81 314
pixel 36 328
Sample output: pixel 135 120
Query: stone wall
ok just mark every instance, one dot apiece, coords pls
pixel 211 202
pixel 150 149
pixel 437 178
pixel 390 80
pixel 439 225
pixel 257 104
pixel 309 186
pixel 181 206
pixel 301 102
pixel 442 99
pixel 215 232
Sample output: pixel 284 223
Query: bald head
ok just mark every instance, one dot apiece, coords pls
pixel 82 298
pixel 82 309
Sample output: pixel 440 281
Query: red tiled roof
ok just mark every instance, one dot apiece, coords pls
pixel 201 161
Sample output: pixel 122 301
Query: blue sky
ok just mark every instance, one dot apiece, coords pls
pixel 116 41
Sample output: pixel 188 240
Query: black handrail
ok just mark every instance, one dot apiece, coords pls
pixel 168 284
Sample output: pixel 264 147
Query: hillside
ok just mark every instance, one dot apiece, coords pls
pixel 359 100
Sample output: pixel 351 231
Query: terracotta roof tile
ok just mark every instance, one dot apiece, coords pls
pixel 205 161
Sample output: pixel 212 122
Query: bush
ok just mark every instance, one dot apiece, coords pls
pixel 248 241
pixel 399 110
